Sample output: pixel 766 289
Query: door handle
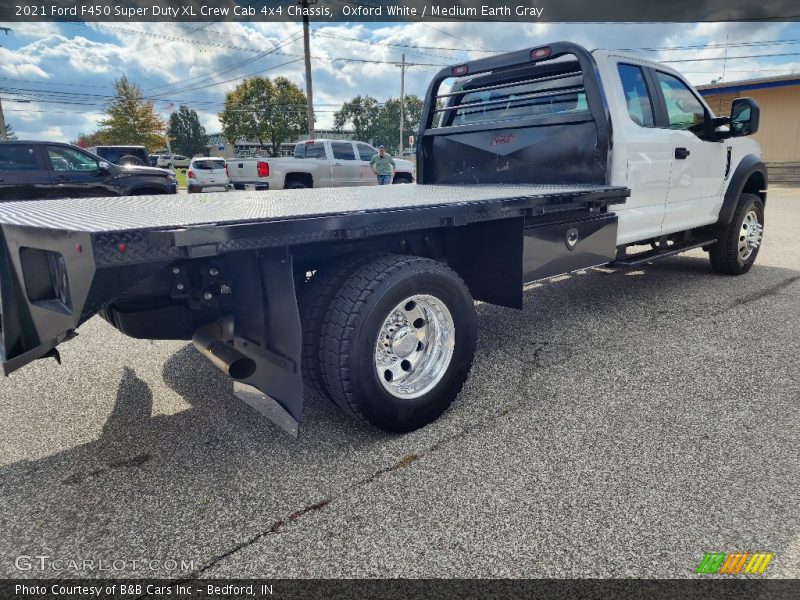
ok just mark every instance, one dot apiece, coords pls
pixel 337 164
pixel 681 153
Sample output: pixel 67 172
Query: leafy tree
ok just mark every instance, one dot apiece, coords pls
pixel 270 111
pixel 187 135
pixel 87 140
pixel 388 126
pixel 10 132
pixel 131 118
pixel 381 124
pixel 362 113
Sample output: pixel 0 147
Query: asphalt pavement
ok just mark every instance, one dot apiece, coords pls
pixel 621 425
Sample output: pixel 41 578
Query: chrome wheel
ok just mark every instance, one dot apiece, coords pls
pixel 415 346
pixel 750 235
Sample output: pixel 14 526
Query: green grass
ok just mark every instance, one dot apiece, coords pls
pixel 180 175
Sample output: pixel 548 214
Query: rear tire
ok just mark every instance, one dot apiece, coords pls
pixel 295 185
pixel 313 300
pixel 238 186
pixel 398 341
pixel 739 242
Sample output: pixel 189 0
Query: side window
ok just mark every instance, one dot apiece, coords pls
pixel 310 150
pixel 67 159
pixel 17 157
pixel 683 107
pixel 365 151
pixel 343 151
pixel 640 107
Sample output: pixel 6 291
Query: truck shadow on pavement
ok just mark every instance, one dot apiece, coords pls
pixel 194 484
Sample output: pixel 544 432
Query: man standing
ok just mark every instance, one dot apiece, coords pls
pixel 383 166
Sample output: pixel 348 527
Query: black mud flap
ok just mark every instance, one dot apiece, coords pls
pixel 267 330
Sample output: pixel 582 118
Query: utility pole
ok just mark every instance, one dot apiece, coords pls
pixel 402 100
pixel 307 53
pixel 725 60
pixel 3 134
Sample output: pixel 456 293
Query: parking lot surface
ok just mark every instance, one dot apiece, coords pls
pixel 621 425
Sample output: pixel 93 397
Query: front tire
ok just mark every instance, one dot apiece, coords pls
pixel 398 341
pixel 737 247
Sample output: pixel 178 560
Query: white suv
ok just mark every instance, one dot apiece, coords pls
pixel 206 173
pixel 169 161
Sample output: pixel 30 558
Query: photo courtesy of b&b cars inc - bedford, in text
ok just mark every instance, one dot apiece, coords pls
pixel 399 299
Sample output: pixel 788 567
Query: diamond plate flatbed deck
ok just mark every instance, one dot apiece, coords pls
pixel 150 213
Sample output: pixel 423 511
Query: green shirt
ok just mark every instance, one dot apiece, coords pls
pixel 384 165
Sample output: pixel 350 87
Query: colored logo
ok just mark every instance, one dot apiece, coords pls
pixel 734 563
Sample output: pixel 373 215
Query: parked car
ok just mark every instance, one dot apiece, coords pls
pixel 123 155
pixel 317 163
pixel 205 174
pixel 40 170
pixel 170 161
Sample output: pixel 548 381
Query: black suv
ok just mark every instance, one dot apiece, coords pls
pixel 38 170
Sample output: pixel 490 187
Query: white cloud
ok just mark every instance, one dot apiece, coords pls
pixel 177 61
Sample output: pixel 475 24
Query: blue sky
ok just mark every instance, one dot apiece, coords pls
pixel 66 70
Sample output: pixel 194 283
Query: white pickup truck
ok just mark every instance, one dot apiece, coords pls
pixel 530 164
pixel 315 164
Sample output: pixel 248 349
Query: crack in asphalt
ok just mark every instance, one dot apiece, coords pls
pixel 402 463
pixel 766 293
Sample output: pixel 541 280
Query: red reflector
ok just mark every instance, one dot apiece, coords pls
pixel 226 170
pixel 460 70
pixel 263 169
pixel 78 248
pixel 539 53
pixel 121 247
pixel 189 174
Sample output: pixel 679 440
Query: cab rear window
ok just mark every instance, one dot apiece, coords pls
pixel 208 165
pixel 530 95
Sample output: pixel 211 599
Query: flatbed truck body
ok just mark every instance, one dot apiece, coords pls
pixel 365 295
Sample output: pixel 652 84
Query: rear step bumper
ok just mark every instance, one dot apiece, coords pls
pixel 650 255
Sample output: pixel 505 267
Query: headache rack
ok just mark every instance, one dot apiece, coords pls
pixel 500 113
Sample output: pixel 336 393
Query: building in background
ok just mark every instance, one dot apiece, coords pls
pixel 779 129
pixel 218 146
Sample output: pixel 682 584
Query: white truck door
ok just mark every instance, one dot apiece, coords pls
pixel 346 168
pixel 698 166
pixel 641 157
pixel 366 152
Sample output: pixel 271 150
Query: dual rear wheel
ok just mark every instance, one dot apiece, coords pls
pixel 389 338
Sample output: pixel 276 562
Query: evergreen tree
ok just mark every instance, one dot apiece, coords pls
pixel 186 134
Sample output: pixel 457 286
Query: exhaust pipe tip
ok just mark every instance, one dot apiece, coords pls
pixel 242 368
pixel 212 342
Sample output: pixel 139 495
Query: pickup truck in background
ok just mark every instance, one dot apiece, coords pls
pixel 530 164
pixel 315 164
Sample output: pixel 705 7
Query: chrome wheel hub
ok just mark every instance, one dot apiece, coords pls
pixel 414 346
pixel 750 235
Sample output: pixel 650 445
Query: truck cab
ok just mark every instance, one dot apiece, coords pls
pixel 677 171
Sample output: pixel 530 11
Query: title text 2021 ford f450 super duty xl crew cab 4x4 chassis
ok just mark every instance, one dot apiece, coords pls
pixel 530 164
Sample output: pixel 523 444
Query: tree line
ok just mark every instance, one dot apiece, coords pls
pixel 269 111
